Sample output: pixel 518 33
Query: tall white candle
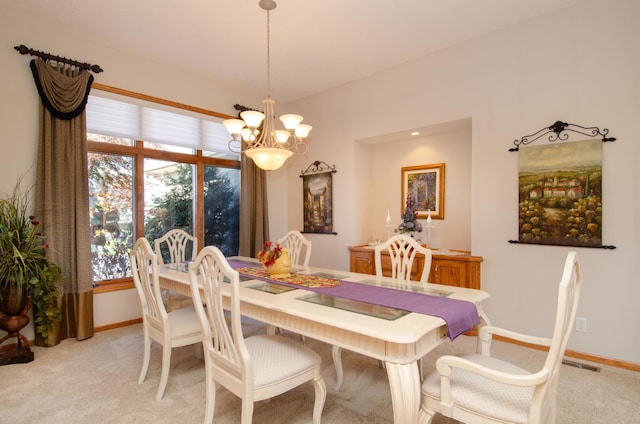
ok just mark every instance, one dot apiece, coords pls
pixel 429 218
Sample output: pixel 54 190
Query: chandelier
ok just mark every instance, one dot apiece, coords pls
pixel 268 147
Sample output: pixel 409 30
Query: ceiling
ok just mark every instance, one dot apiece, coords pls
pixel 315 45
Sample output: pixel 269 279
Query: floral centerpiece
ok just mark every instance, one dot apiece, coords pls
pixel 275 259
pixel 409 222
pixel 268 256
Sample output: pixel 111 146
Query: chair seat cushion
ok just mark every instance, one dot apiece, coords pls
pixel 184 322
pixel 476 393
pixel 293 358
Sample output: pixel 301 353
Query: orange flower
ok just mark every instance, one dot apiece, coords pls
pixel 267 256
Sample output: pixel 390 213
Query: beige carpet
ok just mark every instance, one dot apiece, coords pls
pixel 95 381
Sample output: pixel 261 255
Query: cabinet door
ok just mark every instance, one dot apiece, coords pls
pixel 362 262
pixel 451 273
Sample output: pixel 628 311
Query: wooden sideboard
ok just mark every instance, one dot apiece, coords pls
pixel 460 269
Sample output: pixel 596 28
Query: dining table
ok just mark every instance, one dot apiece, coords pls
pixel 325 304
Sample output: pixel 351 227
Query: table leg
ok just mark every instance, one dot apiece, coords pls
pixel 484 320
pixel 271 329
pixel 404 382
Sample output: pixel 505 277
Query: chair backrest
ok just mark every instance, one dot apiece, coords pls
pixel 402 252
pixel 299 247
pixel 144 264
pixel 568 296
pixel 180 245
pixel 224 346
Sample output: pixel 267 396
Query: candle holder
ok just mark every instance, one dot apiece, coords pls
pixel 429 227
pixel 389 227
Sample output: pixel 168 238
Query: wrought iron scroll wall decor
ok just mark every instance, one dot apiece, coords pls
pixel 317 192
pixel 560 187
pixel 559 129
pixel 318 167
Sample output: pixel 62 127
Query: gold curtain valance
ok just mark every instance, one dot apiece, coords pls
pixel 64 90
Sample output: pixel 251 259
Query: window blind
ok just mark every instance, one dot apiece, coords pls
pixel 137 119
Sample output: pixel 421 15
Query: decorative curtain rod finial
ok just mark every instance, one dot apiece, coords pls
pixel 22 49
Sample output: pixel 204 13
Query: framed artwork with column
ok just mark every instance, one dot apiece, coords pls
pixel 426 184
pixel 317 192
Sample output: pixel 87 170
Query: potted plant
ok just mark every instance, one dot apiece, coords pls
pixel 409 222
pixel 26 273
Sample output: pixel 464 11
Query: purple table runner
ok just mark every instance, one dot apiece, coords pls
pixel 459 315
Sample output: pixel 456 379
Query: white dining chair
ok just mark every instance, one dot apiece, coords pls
pixel 177 246
pixel 169 329
pixel 256 368
pixel 402 251
pixel 180 246
pixel 299 247
pixel 480 388
pixel 299 251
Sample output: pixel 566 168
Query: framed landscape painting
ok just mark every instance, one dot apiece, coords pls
pixel 426 184
pixel 560 194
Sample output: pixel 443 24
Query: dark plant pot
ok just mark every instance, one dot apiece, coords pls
pixel 13 301
pixel 14 307
pixel 52 339
pixel 53 336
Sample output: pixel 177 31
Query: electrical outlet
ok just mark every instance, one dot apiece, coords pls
pixel 581 325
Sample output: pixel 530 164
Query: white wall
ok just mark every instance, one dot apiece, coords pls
pixel 580 65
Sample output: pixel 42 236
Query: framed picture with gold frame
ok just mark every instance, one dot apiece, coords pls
pixel 426 184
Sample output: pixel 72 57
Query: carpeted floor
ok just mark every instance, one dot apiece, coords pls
pixel 95 381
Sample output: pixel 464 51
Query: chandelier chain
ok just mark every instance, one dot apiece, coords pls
pixel 268 54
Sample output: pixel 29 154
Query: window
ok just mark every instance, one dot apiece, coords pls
pixel 222 208
pixel 111 214
pixel 145 188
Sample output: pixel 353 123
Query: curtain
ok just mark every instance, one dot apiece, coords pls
pixel 62 191
pixel 254 213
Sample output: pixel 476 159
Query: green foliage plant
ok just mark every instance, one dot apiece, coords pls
pixel 25 269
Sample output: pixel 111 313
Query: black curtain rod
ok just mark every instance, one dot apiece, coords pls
pixel 22 49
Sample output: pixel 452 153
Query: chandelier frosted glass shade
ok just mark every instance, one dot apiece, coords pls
pixel 269 159
pixel 252 118
pixel 234 126
pixel 291 121
pixel 303 130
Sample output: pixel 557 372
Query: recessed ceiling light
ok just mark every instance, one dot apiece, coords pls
pixel 415 133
